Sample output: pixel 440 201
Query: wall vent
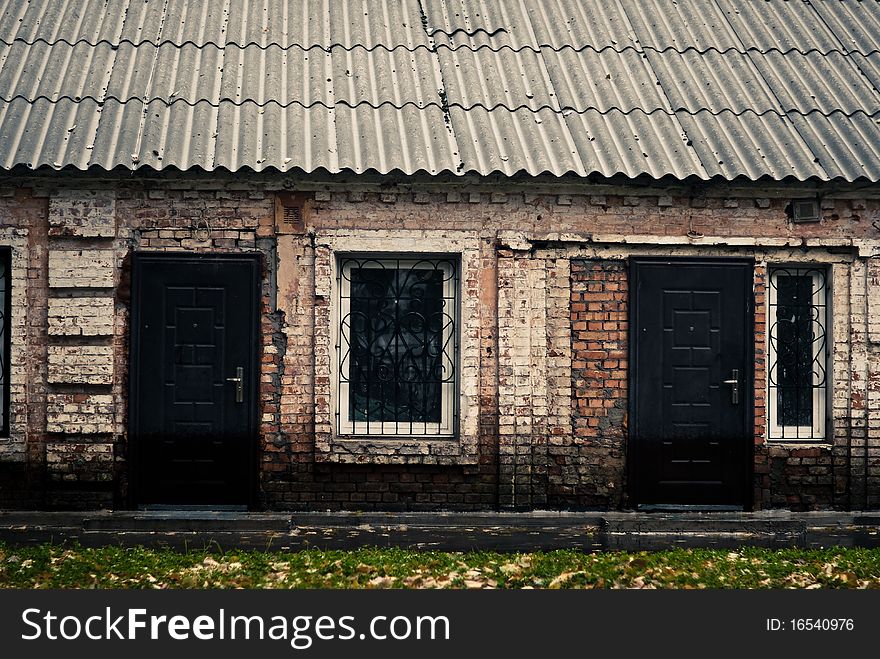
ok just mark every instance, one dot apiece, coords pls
pixel 291 211
pixel 804 210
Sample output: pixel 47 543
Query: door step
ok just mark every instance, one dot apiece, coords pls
pixel 684 508
pixel 186 521
pixel 679 524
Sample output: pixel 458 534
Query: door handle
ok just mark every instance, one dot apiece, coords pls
pixel 734 386
pixel 239 384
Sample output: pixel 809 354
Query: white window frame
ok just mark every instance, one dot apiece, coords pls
pixel 817 432
pixel 446 428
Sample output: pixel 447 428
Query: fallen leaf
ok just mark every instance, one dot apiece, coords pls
pixel 563 578
pixel 382 582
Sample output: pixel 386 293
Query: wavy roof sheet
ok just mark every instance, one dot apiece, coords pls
pixel 778 89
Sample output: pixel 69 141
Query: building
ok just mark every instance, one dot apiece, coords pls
pixel 440 254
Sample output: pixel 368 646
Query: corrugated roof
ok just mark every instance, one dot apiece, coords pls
pixel 775 89
pixel 304 23
pixel 855 24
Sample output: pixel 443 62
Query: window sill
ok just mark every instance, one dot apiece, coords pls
pixel 393 450
pixel 800 443
pixel 797 445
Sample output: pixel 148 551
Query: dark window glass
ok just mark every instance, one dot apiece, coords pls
pixel 794 352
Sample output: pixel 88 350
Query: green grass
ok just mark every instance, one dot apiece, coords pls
pixel 55 566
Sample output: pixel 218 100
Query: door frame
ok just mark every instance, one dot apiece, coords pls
pixel 748 390
pixel 138 258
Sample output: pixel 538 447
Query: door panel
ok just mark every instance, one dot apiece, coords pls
pixel 194 323
pixel 691 334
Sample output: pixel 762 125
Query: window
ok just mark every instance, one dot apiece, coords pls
pixel 798 353
pixel 5 329
pixel 397 346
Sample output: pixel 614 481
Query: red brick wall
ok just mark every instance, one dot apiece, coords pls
pixel 591 471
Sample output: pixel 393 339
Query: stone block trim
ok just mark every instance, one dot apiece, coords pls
pixel 872 452
pixel 80 461
pixel 863 432
pixel 81 364
pixel 217 239
pixel 83 213
pixel 81 268
pixel 79 414
pixel 559 369
pixel 591 470
pixel 523 405
pixel 81 316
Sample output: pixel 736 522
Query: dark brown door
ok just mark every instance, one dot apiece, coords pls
pixel 691 382
pixel 194 378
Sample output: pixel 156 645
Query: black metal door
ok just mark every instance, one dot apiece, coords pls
pixel 193 380
pixel 691 382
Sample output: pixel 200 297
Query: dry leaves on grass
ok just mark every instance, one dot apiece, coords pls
pixel 382 582
pixel 564 578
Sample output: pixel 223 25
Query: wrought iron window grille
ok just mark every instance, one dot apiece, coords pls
pixel 397 347
pixel 797 374
pixel 5 342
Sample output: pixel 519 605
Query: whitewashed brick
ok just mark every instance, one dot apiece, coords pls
pixel 82 268
pixel 81 364
pixel 84 213
pixel 81 316
pixel 79 461
pixel 79 414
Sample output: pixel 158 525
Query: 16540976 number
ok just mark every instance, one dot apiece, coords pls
pixel 822 624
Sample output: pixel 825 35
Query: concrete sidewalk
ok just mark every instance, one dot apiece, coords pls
pixel 587 531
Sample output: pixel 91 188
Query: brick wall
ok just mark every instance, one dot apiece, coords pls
pixel 872 385
pixel 22 454
pixel 81 316
pixel 547 295
pixel 591 469
pixel 79 422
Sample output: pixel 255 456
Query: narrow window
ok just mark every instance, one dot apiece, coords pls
pixel 798 359
pixel 398 346
pixel 5 307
